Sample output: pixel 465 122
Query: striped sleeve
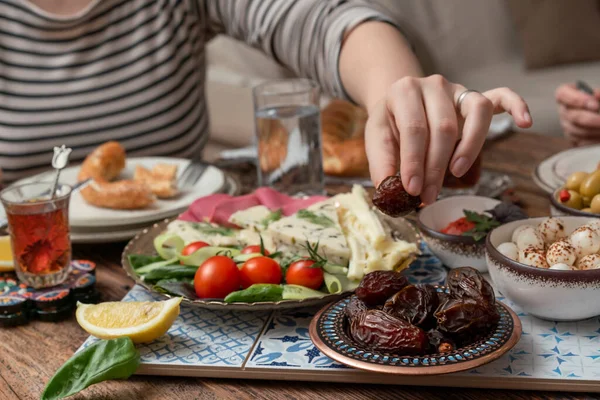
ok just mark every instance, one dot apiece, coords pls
pixel 306 36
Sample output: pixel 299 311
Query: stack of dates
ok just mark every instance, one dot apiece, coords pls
pixel 389 314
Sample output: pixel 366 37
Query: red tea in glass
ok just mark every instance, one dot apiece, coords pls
pixel 39 231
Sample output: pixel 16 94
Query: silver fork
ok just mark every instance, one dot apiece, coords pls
pixel 192 173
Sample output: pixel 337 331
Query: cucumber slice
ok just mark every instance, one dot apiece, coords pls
pixel 204 253
pixel 168 246
pixel 334 286
pixel 242 258
pixel 335 269
pixel 297 292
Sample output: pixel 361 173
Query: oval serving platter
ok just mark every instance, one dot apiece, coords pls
pixel 329 334
pixel 142 243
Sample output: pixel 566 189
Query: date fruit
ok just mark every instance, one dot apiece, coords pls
pixel 377 330
pixel 467 283
pixel 355 307
pixel 439 342
pixel 415 304
pixel 392 199
pixel 466 320
pixel 378 286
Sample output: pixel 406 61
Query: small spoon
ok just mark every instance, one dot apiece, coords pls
pixel 59 161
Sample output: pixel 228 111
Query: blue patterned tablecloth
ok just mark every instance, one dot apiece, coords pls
pixel 255 341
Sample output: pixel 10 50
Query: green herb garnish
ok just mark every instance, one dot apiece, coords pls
pixel 272 217
pixel 210 229
pixel 317 219
pixel 483 225
pixel 313 254
pixel 103 360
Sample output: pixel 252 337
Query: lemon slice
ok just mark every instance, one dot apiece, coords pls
pixel 6 255
pixel 142 321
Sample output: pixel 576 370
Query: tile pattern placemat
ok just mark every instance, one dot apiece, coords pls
pixel 276 345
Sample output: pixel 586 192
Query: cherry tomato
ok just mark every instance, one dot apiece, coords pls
pixel 260 270
pixel 216 278
pixel 192 247
pixel 303 273
pixel 254 249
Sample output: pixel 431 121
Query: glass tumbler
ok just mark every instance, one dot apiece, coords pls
pixel 39 230
pixel 288 130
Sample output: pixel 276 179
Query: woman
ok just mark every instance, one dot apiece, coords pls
pixel 81 72
pixel 579 114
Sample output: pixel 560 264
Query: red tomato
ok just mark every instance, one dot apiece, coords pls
pixel 260 270
pixel 192 247
pixel 254 249
pixel 304 274
pixel 216 278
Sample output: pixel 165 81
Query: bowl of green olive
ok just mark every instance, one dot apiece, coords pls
pixel 579 196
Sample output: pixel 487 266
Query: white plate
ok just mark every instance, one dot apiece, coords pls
pixel 551 173
pixel 82 214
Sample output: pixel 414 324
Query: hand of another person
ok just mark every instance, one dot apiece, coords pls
pixel 578 113
pixel 417 126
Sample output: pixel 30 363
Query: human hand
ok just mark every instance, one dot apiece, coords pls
pixel 578 112
pixel 417 125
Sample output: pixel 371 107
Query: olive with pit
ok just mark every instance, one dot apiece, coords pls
pixel 590 185
pixel 575 179
pixel 595 206
pixel 573 200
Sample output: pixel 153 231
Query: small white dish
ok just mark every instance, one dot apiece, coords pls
pixel 551 173
pixel 548 294
pixel 454 251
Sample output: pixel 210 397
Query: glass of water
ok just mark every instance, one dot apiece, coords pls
pixel 288 131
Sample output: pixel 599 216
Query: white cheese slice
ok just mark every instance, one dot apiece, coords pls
pixel 292 233
pixel 251 218
pixel 249 237
pixel 371 246
pixel 205 232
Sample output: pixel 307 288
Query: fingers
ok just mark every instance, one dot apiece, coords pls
pixel 405 103
pixel 443 134
pixel 504 99
pixel 568 95
pixel 478 111
pixel 381 144
pixel 583 118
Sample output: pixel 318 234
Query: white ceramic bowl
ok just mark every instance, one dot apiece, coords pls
pixel 454 251
pixel 544 293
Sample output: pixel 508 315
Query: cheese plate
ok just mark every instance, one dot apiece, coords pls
pixel 343 236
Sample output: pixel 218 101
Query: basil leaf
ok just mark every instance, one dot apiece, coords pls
pixel 317 219
pixel 176 288
pixel 140 260
pixel 104 360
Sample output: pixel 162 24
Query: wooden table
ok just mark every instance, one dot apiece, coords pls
pixel 31 354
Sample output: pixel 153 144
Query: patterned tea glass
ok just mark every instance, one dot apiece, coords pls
pixel 39 230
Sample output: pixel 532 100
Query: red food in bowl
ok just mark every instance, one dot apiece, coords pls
pixel 458 227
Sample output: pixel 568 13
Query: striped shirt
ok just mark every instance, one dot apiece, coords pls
pixel 133 70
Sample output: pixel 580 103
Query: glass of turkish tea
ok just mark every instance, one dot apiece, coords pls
pixel 38 224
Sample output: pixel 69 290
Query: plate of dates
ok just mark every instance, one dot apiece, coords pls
pixel 392 326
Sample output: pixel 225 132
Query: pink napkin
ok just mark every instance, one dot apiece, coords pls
pixel 218 208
